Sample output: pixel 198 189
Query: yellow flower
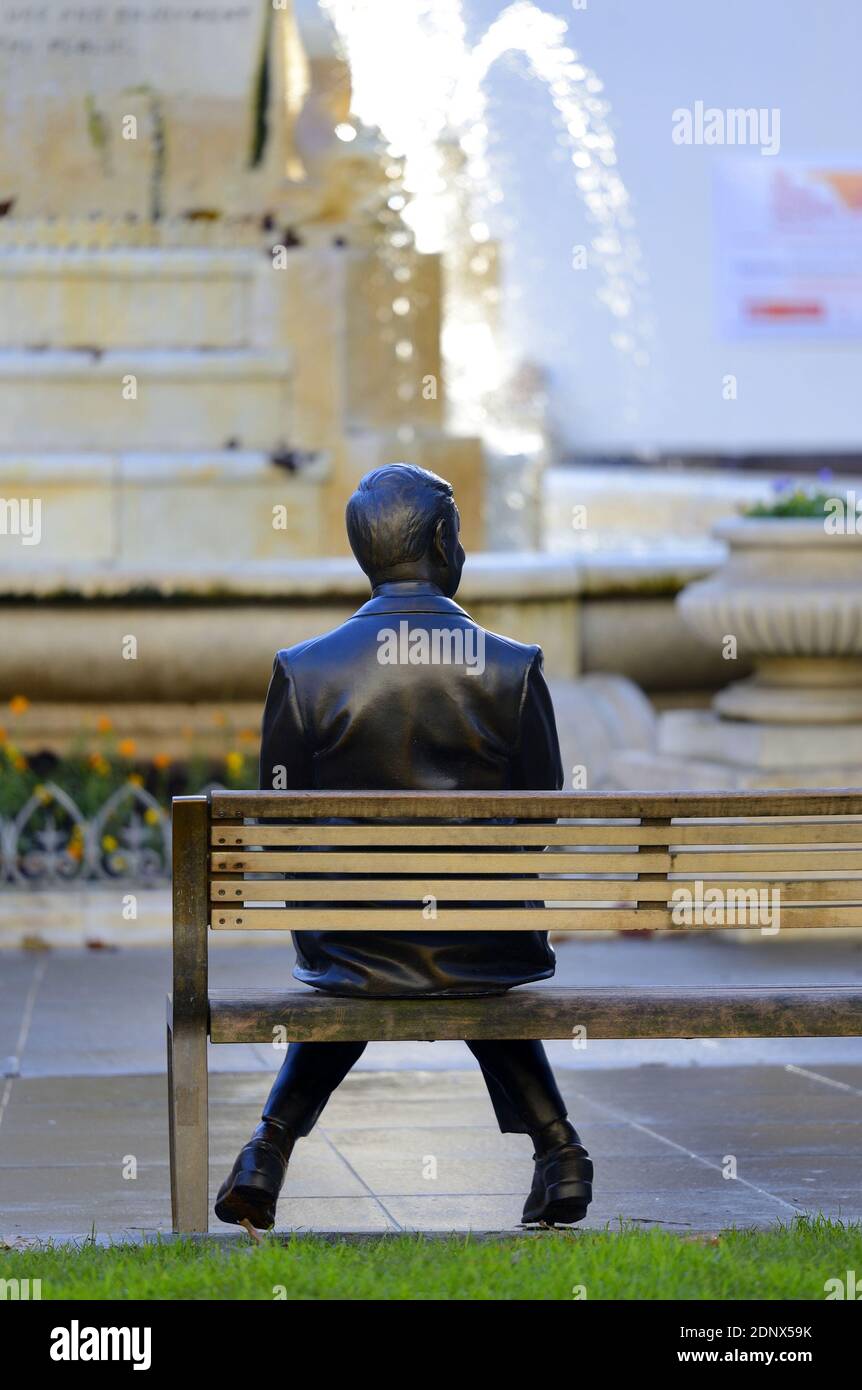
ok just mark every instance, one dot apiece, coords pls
pixel 19 763
pixel 234 763
pixel 19 704
pixel 43 794
pixel 109 843
pixel 135 779
pixel 151 816
pixel 99 764
pixel 127 747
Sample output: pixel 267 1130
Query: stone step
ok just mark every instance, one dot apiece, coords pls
pixel 83 298
pixel 136 399
pixel 101 512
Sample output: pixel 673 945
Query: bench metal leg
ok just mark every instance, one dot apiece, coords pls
pixel 188 1020
pixel 189 1142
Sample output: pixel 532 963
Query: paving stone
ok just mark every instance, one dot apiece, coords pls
pixel 353 1174
pixel 92 1091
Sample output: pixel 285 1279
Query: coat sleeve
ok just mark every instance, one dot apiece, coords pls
pixel 285 755
pixel 537 762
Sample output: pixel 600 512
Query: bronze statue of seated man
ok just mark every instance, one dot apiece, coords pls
pixel 346 711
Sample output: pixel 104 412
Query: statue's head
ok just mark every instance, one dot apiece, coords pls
pixel 402 523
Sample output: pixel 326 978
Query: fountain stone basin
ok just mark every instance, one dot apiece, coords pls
pixel 207 637
pixel 790 593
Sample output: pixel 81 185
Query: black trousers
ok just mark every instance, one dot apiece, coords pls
pixel 520 1083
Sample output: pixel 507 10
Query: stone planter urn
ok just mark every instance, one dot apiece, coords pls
pixel 790 593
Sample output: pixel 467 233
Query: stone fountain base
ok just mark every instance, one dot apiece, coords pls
pixel 796 690
pixel 699 750
pixel 204 640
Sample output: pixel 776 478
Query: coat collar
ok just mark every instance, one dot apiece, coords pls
pixel 408 596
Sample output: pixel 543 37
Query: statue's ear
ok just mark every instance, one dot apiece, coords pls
pixel 440 543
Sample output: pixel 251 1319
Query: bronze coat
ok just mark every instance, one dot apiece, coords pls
pixel 337 719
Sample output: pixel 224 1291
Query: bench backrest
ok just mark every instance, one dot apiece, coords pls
pixel 431 861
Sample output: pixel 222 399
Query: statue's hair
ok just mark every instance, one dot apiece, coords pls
pixel 393 514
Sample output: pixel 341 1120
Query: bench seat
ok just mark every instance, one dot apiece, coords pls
pixel 608 1011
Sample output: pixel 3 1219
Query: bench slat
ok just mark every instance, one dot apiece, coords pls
pixel 754 861
pixel 757 861
pixel 742 833
pixel 515 890
pixel 228 805
pixel 413 862
pixel 542 1012
pixel 501 919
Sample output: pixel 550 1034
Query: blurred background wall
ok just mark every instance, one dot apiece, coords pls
pixel 794 396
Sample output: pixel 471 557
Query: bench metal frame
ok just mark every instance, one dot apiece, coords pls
pixel 758 836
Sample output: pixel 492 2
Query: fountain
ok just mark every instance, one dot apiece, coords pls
pixel 431 106
pixel 250 269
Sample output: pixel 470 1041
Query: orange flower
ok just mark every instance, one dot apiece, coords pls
pixel 19 704
pixel 127 748
pixel 162 760
pixel 103 724
pixel 247 735
pixel 20 763
pixel 2 736
pixel 99 764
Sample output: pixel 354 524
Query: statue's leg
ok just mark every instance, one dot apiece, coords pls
pixel 309 1074
pixel 520 1083
pixel 527 1100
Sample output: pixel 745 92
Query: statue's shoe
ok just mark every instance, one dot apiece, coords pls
pixel 250 1192
pixel 562 1186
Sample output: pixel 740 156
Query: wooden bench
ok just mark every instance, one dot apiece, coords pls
pixel 617 868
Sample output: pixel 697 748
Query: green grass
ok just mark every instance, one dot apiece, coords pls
pixel 787 1262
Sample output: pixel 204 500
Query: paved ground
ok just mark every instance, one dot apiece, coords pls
pixel 409 1140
